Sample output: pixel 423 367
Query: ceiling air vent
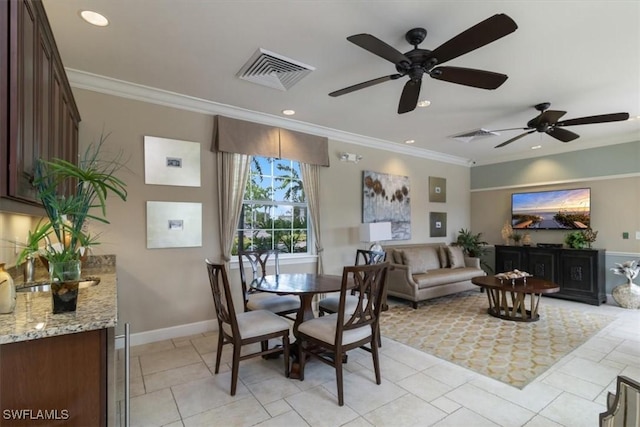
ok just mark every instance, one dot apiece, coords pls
pixel 273 70
pixel 478 133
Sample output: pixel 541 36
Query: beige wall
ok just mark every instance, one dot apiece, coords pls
pixel 163 288
pixel 342 198
pixel 614 210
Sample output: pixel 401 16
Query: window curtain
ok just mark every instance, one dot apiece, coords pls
pixel 233 172
pixel 311 185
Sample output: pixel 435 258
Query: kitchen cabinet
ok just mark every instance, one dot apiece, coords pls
pixel 60 369
pixel 36 103
pixel 57 380
pixel 579 272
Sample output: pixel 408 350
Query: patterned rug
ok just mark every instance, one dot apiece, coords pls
pixel 458 329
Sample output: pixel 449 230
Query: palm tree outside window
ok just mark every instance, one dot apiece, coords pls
pixel 274 211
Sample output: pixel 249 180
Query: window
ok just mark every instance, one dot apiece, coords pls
pixel 274 211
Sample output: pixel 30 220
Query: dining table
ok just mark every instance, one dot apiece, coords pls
pixel 306 286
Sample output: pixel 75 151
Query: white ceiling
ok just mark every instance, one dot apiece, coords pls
pixel 582 56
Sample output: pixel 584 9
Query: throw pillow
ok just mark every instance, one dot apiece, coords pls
pixel 456 256
pixel 444 258
pixel 417 260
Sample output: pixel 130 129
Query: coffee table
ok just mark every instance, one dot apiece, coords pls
pixel 507 298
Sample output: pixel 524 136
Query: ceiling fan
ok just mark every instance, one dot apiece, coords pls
pixel 547 122
pixel 418 62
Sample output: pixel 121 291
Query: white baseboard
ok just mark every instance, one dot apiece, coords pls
pixel 168 333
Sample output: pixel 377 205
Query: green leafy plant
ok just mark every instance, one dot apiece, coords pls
pixel 516 238
pixel 472 245
pixel 576 240
pixel 70 194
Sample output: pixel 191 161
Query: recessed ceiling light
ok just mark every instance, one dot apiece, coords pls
pixel 410 141
pixel 94 18
pixel 288 112
pixel 424 103
pixel 535 147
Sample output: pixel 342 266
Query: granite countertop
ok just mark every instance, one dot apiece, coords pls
pixel 33 317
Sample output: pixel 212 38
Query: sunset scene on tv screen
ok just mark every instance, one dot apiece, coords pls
pixel 563 209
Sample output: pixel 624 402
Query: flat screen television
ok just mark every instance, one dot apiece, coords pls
pixel 552 210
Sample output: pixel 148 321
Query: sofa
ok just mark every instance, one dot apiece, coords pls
pixel 429 270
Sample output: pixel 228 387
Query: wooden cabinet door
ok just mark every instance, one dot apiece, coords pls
pixel 510 258
pixel 579 270
pixel 543 264
pixel 23 149
pixel 37 107
pixel 65 375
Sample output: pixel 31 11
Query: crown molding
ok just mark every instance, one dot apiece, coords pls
pixel 110 86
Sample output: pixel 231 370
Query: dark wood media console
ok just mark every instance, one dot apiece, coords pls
pixel 580 273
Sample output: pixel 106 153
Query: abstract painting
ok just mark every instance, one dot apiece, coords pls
pixel 385 198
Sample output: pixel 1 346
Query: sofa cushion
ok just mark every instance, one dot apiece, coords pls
pixel 456 256
pixel 443 276
pixel 421 259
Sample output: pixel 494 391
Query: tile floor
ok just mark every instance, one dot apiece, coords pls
pixel 173 385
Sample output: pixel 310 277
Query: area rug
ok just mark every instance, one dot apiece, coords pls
pixel 458 329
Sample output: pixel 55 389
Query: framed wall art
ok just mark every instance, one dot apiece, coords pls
pixel 437 224
pixel 387 198
pixel 437 189
pixel 174 225
pixel 171 162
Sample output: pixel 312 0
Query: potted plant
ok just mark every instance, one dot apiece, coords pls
pixel 71 195
pixel 516 238
pixel 472 245
pixel 576 240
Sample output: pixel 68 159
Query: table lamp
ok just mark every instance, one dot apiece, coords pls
pixel 375 232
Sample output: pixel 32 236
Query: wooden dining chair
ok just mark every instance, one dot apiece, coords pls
pixel 329 304
pixel 342 331
pixel 282 305
pixel 240 329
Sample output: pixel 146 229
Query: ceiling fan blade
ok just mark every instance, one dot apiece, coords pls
pixel 503 130
pixel 378 47
pixel 603 118
pixel 514 139
pixel 469 77
pixel 549 116
pixel 365 84
pixel 562 134
pixel 487 31
pixel 410 95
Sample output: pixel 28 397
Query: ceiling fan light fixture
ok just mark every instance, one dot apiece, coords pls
pixel 94 18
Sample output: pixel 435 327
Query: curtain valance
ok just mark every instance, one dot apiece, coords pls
pixel 243 137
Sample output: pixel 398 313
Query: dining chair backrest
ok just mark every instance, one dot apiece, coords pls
pixel 257 260
pixel 368 257
pixel 368 281
pixel 222 298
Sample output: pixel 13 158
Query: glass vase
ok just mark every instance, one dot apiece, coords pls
pixel 64 271
pixel 65 280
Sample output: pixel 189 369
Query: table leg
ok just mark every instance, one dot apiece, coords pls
pixel 304 313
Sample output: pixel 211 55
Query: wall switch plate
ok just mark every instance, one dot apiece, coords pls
pixel 637 235
pixel 625 235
